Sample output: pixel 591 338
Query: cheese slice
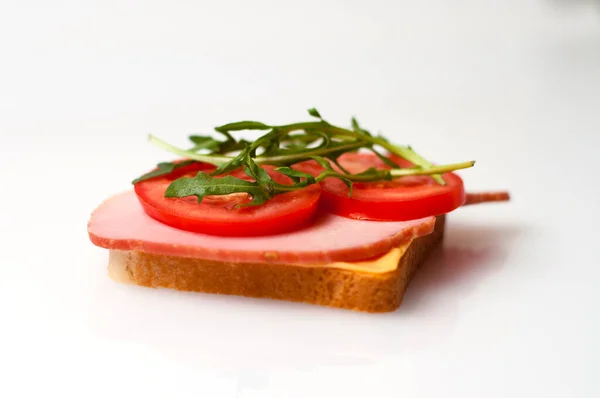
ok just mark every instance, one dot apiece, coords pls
pixel 386 263
pixel 117 265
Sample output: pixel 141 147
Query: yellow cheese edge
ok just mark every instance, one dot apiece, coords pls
pixel 386 263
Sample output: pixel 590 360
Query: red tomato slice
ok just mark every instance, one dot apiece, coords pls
pixel 217 215
pixel 402 199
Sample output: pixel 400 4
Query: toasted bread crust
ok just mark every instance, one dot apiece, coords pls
pixel 359 291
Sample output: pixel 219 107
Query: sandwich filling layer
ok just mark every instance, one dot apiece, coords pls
pixel 388 262
pixel 120 224
pixel 361 286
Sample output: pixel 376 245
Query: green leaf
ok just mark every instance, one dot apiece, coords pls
pixel 356 127
pixel 205 142
pixel 342 168
pixel 163 168
pixel 232 146
pixel 322 162
pixel 296 175
pixel 228 137
pixel 343 148
pixel 297 144
pixel 260 175
pixel 330 173
pixel 290 144
pixel 379 137
pixel 202 139
pixel 349 184
pixel 374 174
pixel 294 147
pixel 271 147
pixel 385 159
pixel 243 125
pixel 326 140
pixel 301 141
pixel 314 113
pixel 230 166
pixel 203 185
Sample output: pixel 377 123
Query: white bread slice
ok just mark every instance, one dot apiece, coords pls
pixel 321 284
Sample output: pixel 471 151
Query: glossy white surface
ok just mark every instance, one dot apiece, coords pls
pixel 509 308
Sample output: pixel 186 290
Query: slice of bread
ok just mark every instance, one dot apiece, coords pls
pixel 322 285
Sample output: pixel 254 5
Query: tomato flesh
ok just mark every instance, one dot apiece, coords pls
pixel 401 199
pixel 218 214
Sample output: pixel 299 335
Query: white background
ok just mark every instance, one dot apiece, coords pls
pixel 508 308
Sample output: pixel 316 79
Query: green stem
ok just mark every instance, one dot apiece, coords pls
pixel 397 172
pixel 424 167
pixel 352 177
pixel 404 152
pixel 219 160
pixel 410 155
pixel 214 160
pixel 304 155
pixel 433 170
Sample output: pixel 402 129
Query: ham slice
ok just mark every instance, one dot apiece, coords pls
pixel 121 224
pixel 473 198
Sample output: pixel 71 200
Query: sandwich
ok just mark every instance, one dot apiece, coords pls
pixel 307 212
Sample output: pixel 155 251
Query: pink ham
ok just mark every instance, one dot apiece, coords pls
pixel 121 224
pixel 473 198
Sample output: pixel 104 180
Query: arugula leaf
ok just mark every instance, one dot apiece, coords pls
pixel 215 146
pixel 338 148
pixel 285 145
pixel 356 127
pixel 295 147
pixel 326 140
pixel 373 174
pixel 349 184
pixel 205 142
pixel 262 178
pixel 203 185
pixel 345 178
pixel 335 161
pixel 270 148
pixel 314 113
pixel 294 142
pixel 385 159
pixel 331 173
pixel 228 137
pixel 202 139
pixel 232 146
pixel 322 162
pixel 296 175
pixel 234 164
pixel 163 168
pixel 243 125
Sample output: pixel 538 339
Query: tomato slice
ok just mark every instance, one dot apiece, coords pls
pixel 402 199
pixel 218 215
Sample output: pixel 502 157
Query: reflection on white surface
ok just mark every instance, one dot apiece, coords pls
pixel 222 332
